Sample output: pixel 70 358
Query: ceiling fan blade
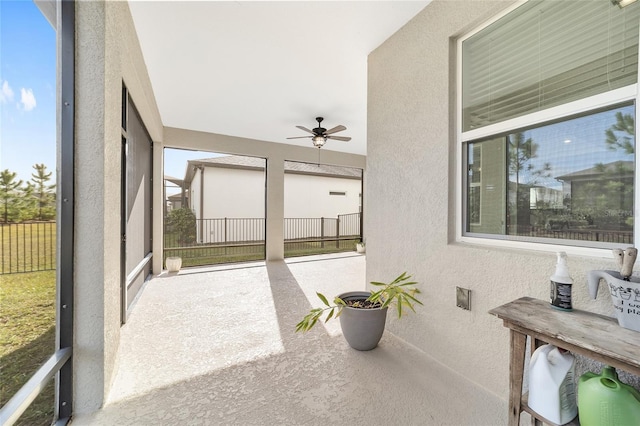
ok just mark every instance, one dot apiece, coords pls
pixel 300 137
pixel 340 138
pixel 335 130
pixel 305 129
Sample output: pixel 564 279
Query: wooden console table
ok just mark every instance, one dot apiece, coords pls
pixel 594 336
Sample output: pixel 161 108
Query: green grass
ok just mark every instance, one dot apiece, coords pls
pixel 27 247
pixel 307 249
pixel 199 256
pixel 27 338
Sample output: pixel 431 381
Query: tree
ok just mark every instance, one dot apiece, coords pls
pixel 43 195
pixel 183 222
pixel 520 152
pixel 9 194
pixel 625 124
pixel 607 198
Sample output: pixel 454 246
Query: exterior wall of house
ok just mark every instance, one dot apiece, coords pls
pixel 310 196
pixel 233 193
pixel 239 193
pixel 410 203
pixel 194 194
pixel 107 52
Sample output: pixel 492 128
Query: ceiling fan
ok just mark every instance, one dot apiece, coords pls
pixel 320 134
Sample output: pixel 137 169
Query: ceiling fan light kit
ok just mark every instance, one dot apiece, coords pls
pixel 320 134
pixel 318 141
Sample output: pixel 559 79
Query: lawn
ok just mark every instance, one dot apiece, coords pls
pixel 292 249
pixel 27 338
pixel 212 255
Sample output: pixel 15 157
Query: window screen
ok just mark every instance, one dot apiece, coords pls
pixel 569 180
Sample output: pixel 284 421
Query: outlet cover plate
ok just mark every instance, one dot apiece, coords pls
pixel 463 298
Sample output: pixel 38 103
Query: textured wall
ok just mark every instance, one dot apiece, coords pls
pixel 409 203
pixel 308 196
pixel 107 52
pixel 89 348
pixel 233 193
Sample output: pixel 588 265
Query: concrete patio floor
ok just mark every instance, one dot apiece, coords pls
pixel 216 346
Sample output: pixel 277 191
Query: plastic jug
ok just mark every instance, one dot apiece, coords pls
pixel 551 384
pixel 603 400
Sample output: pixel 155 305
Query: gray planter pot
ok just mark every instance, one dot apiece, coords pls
pixel 362 328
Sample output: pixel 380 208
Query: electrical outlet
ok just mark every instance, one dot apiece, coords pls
pixel 463 298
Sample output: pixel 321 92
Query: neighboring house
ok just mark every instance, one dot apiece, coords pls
pixel 581 184
pixel 224 189
pixel 602 194
pixel 233 187
pixel 174 201
pixel 541 197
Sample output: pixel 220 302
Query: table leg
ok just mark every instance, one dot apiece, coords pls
pixel 516 372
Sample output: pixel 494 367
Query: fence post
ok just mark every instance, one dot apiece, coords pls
pixel 322 232
pixel 226 237
pixel 338 233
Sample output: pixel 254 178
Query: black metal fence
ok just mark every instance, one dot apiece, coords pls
pixel 600 235
pixel 221 240
pixel 226 240
pixel 27 247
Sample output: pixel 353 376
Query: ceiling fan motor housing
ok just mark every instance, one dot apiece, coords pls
pixel 319 130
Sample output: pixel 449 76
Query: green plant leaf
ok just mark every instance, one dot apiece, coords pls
pixel 324 299
pixel 329 316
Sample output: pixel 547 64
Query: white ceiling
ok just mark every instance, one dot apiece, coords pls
pixel 257 69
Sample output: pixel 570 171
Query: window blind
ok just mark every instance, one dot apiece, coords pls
pixel 546 53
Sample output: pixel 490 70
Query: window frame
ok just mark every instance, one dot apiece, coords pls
pixel 562 112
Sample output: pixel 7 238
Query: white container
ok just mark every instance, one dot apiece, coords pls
pixel 552 385
pixel 173 263
pixel 561 283
pixel 624 294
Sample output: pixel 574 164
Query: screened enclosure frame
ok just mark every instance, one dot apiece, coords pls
pixel 59 365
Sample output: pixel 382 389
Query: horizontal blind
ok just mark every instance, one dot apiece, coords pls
pixel 547 53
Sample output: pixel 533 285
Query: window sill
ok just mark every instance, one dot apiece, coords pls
pixel 603 253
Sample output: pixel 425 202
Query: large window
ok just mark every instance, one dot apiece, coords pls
pixel 547 124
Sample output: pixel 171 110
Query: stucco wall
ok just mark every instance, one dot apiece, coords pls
pixel 107 52
pixel 308 196
pixel 234 193
pixel 410 204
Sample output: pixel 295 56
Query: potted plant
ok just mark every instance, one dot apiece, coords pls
pixel 363 313
pixel 360 247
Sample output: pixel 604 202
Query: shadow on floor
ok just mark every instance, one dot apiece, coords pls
pixel 316 380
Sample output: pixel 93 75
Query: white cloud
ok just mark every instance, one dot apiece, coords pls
pixel 6 94
pixel 27 100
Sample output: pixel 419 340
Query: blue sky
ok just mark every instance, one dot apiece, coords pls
pixel 28 94
pixel 27 89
